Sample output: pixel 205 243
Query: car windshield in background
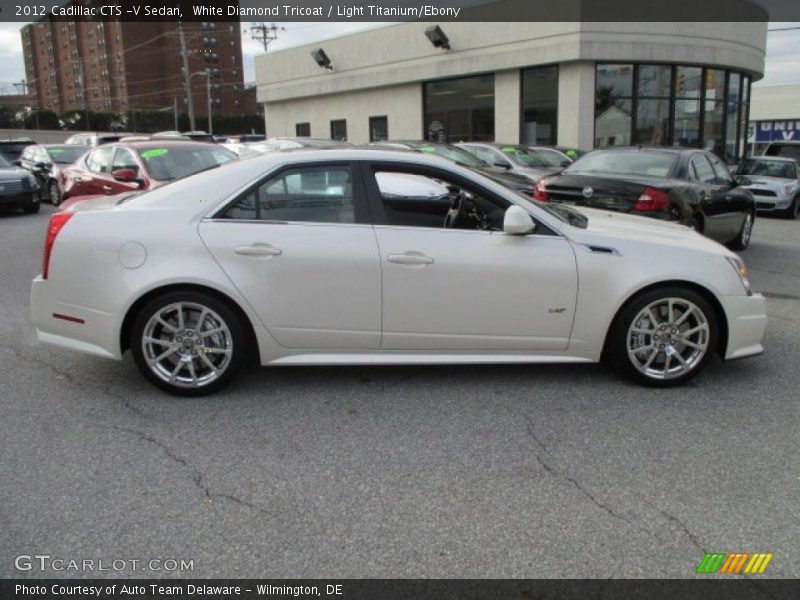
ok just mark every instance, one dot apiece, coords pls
pixel 553 158
pixel 637 164
pixel 4 164
pixel 768 168
pixel 455 154
pixel 524 157
pixel 65 155
pixel 12 151
pixel 167 164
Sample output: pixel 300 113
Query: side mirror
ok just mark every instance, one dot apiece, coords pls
pixel 125 175
pixel 517 221
pixel 16 163
pixel 742 180
pixel 40 166
pixel 502 164
pixel 565 163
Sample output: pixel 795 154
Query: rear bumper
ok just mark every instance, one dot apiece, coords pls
pixel 75 327
pixel 747 321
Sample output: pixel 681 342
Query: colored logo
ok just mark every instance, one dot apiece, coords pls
pixel 734 563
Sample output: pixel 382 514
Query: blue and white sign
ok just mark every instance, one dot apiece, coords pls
pixel 774 131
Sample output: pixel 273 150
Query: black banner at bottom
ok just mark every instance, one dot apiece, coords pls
pixel 399 589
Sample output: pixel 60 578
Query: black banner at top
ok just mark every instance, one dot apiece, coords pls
pixel 401 10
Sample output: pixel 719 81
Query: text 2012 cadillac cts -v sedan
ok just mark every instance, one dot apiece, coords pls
pixel 320 257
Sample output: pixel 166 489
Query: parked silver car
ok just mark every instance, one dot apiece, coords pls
pixel 774 183
pixel 512 157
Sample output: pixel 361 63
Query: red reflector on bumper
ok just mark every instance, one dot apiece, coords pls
pixel 68 318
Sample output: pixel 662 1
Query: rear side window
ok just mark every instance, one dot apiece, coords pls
pixel 702 171
pixel 308 194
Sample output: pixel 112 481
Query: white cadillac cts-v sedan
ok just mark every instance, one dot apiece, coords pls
pixel 381 257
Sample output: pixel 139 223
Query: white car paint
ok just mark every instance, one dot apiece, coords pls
pixel 358 294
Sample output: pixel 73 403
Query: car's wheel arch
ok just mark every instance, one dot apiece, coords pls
pixel 719 311
pixel 143 299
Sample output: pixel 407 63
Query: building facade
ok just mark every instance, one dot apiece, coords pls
pixel 775 116
pixel 117 66
pixel 582 84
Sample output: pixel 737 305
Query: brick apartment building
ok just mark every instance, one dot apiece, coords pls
pixel 114 65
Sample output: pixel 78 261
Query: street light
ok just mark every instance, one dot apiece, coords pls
pixel 207 73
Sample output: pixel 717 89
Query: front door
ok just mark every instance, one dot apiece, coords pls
pixel 470 287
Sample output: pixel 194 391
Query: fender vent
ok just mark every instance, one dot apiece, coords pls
pixel 602 249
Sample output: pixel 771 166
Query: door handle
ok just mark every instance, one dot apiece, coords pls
pixel 107 188
pixel 258 250
pixel 410 258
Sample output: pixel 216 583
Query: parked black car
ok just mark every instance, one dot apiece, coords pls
pixel 460 156
pixel 18 188
pixel 45 162
pixel 693 187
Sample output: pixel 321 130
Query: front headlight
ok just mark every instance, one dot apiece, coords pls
pixel 789 189
pixel 741 270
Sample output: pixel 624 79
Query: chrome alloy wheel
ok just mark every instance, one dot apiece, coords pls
pixel 187 344
pixel 668 338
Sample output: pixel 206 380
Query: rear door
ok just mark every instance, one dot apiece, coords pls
pixel 300 248
pixel 735 201
pixel 95 175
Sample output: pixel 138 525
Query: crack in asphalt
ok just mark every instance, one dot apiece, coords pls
pixel 558 475
pixel 196 476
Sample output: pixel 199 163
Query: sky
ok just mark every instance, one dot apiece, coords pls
pixel 782 62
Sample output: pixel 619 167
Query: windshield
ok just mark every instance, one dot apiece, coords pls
pixel 13 151
pixel 524 157
pixel 65 155
pixel 4 164
pixel 169 163
pixel 553 158
pixel 768 168
pixel 641 164
pixel 455 154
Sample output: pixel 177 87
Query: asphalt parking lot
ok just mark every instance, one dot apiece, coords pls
pixel 492 471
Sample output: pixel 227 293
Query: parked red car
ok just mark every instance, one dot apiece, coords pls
pixel 137 166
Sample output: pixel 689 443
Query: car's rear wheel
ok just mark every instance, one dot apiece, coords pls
pixel 54 193
pixel 188 343
pixel 663 337
pixel 32 206
pixel 742 239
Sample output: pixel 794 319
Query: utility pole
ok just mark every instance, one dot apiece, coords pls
pixel 186 76
pixel 208 97
pixel 25 87
pixel 265 33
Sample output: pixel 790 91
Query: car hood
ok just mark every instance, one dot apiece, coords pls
pixel 615 225
pixel 772 183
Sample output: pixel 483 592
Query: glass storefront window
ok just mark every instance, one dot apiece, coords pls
pixel 460 109
pixel 667 105
pixel 652 122
pixel 654 80
pixel 540 106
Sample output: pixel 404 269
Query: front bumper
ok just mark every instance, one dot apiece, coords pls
pixel 767 200
pixel 747 321
pixel 17 200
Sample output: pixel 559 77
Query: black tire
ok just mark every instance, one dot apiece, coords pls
pixel 617 343
pixel 218 310
pixel 742 239
pixel 791 212
pixel 54 193
pixel 33 204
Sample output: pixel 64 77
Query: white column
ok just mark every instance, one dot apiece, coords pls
pixel 507 106
pixel 576 105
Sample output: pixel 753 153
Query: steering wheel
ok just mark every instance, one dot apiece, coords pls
pixel 453 215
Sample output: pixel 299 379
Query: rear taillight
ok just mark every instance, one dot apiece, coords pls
pixel 652 200
pixel 57 222
pixel 540 191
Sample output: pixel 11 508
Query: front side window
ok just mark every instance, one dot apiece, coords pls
pixel 421 199
pixel 721 171
pixel 124 159
pixel 318 194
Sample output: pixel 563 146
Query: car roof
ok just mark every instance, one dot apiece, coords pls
pixel 164 143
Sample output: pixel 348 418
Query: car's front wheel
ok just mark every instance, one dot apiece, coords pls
pixel 663 337
pixel 791 212
pixel 32 206
pixel 188 343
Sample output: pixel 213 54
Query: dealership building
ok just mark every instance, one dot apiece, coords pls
pixel 774 116
pixel 583 84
